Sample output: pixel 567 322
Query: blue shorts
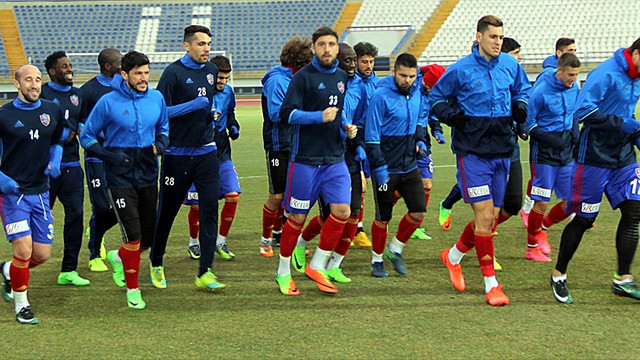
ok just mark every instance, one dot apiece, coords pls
pixel 482 179
pixel 426 167
pixel 228 183
pixel 547 178
pixel 306 182
pixel 24 215
pixel 590 182
pixel 366 169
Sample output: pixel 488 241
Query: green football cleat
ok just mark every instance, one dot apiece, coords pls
pixel 25 316
pixel 97 265
pixel 397 261
pixel 225 253
pixel 627 289
pixel 72 278
pixel 336 275
pixel 103 250
pixel 286 285
pixel 157 277
pixel 118 269
pixel 420 234
pixel 299 259
pixel 209 281
pixel 134 300
pixel 444 217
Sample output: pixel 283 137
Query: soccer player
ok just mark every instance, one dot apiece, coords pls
pixel 31 136
pixel 393 136
pixel 354 154
pixel 563 45
pixel 606 164
pixel 69 187
pixel 191 156
pixel 313 105
pixel 366 58
pixel 554 131
pixel 103 216
pixel 134 121
pixel 227 127
pixel 276 135
pixel 491 90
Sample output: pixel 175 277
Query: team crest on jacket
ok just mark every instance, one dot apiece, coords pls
pixel 341 87
pixel 45 119
pixel 210 79
pixel 74 100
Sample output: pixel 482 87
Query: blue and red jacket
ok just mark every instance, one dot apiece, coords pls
pixel 276 134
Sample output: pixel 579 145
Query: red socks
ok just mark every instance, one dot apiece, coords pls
pixel 19 274
pixel 407 226
pixel 555 215
pixel 466 241
pixel 228 213
pixel 194 222
pixel 427 193
pixel 347 236
pixel 277 225
pixel 268 219
pixel 535 225
pixel 484 251
pixel 313 228
pixel 290 232
pixel 378 236
pixel 331 232
pixel 130 255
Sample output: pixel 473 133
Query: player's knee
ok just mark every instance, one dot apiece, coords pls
pixel 582 222
pixel 232 197
pixel 341 212
pixel 512 207
pixel 195 207
pixel 39 258
pixel 418 215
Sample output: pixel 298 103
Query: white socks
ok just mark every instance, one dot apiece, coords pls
pixel 375 257
pixel 336 260
pixel 319 259
pixel 20 300
pixel 528 204
pixel 193 241
pixel 395 246
pixel 489 283
pixel 284 266
pixel 455 256
pixel 302 242
pixel 221 240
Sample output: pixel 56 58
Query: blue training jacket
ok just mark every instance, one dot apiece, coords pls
pixel 607 98
pixel 131 122
pixel 551 61
pixel 486 91
pixel 552 125
pixel 276 134
pixel 390 130
pixel 353 103
pixel 224 103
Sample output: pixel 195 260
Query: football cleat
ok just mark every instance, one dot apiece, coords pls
pixel 118 269
pixel 97 265
pixel 420 234
pixel 336 275
pixel 377 270
pixel 444 217
pixel 362 240
pixel 298 259
pixel 194 251
pixel 72 278
pixel 561 291
pixel 286 285
pixel 225 253
pixel 455 271
pixel 525 218
pixel 322 280
pixel 536 254
pixel 397 261
pixel 25 316
pixel 627 289
pixel 209 281
pixel 543 242
pixel 496 265
pixel 265 249
pixel 496 297
pixel 134 300
pixel 157 277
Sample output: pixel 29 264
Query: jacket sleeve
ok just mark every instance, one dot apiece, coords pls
pixel 521 87
pixel 276 92
pixel 443 90
pixel 291 112
pixel 162 129
pixel 372 129
pixel 588 111
pixel 231 113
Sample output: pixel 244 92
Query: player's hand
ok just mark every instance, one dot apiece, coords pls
pixel 52 170
pixel 519 113
pixel 215 115
pixel 459 120
pixel 361 155
pixel 72 134
pixel 381 174
pixel 421 147
pixel 351 130
pixel 630 126
pixel 7 184
pixel 329 114
pixel 155 150
pixel 199 103
pixel 439 137
pixel 234 134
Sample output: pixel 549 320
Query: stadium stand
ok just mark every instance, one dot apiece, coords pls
pixel 4 64
pixel 253 32
pixel 395 12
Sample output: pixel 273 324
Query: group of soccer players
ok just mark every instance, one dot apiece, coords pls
pixel 330 124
